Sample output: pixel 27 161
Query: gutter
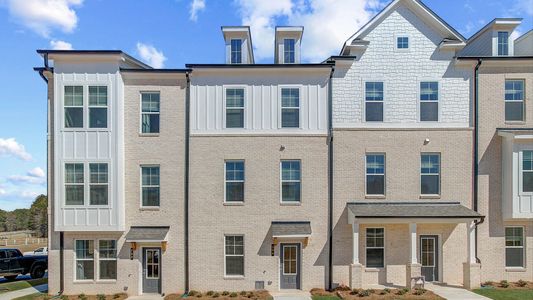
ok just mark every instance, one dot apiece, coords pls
pixel 330 179
pixel 186 178
pixel 476 154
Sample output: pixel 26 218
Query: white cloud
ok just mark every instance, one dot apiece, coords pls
pixel 60 45
pixel 33 176
pixel 151 55
pixel 10 147
pixel 42 16
pixel 524 6
pixel 196 6
pixel 36 172
pixel 328 24
pixel 29 194
pixel 2 192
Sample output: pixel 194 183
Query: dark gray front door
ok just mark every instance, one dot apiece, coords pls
pixel 290 266
pixel 152 270
pixel 429 257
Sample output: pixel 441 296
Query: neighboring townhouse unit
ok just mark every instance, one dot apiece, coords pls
pixel 116 174
pixel 402 151
pixel 504 148
pixel 259 165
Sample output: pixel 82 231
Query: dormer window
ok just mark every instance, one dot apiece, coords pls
pixel 402 42
pixel 503 43
pixel 288 51
pixel 236 51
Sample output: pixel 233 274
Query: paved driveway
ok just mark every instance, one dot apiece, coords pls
pixel 453 292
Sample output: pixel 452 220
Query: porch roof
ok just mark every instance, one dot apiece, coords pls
pixel 291 229
pixel 147 234
pixel 445 212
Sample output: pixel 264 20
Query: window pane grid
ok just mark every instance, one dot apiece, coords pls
pixel 430 174
pixel 234 181
pixel 374 101
pixel 375 174
pixel 235 108
pixel 290 181
pixel 84 251
pixel 73 106
pixel 98 184
pixel 150 185
pixel 288 51
pixel 503 43
pixel 290 107
pixel 97 95
pixel 234 253
pixel 514 246
pixel 514 100
pixel 375 247
pixel 236 51
pixel 150 110
pixel 74 184
pixel 402 42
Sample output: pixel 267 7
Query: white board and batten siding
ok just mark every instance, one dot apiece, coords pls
pixel 89 145
pixel 262 98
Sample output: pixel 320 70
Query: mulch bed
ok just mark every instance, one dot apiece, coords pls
pixel 346 294
pixel 225 295
pixel 504 284
pixel 120 296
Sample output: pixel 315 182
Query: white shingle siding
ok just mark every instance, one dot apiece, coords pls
pixel 401 71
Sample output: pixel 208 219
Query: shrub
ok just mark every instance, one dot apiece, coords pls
pixel 193 293
pixel 521 283
pixel 403 291
pixel 354 292
pixel 372 291
pixel 364 293
pixel 488 283
pixel 63 297
pixel 216 295
pixel 225 293
pixel 82 296
pixel 210 293
pixel 504 284
pixel 342 288
pixel 419 291
pixel 100 297
pixel 233 295
pixel 385 291
pixel 243 293
pixel 116 296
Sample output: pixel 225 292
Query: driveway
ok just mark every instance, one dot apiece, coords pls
pixel 453 292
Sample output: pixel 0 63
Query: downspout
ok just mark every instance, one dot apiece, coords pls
pixel 330 179
pixel 476 149
pixel 61 265
pixel 186 178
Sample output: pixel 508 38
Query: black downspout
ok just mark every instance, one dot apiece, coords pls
pixel 186 187
pixel 476 148
pixel 330 180
pixel 61 265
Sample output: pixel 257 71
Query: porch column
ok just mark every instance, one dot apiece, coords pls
pixel 471 242
pixel 412 235
pixel 413 268
pixel 356 269
pixel 471 269
pixel 355 243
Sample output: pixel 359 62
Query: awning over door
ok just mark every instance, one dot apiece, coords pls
pixel 297 229
pixel 147 234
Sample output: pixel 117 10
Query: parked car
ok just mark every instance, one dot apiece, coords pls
pixel 13 263
pixel 38 251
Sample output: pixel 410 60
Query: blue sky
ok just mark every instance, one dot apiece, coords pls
pixel 166 33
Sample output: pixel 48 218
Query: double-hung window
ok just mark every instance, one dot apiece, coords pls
pixel 236 51
pixel 375 247
pixel 235 108
pixel 234 255
pixel 514 100
pixel 107 257
pixel 402 42
pixel 375 174
pixel 98 181
pixel 97 106
pixel 74 184
pixel 527 171
pixel 150 186
pixel 514 246
pixel 503 43
pixel 429 101
pixel 73 103
pixel 290 107
pixel 374 101
pixel 288 51
pixel 84 250
pixel 430 174
pixel 150 107
pixel 234 180
pixel 290 181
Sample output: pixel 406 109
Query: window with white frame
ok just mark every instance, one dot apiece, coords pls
pixel 290 107
pixel 374 101
pixel 402 42
pixel 514 246
pixel 514 100
pixel 73 105
pixel 375 174
pixel 98 184
pixel 429 101
pixel 290 259
pixel 235 108
pixel 290 181
pixel 503 43
pixel 74 184
pixel 288 51
pixel 236 51
pixel 97 106
pixel 107 257
pixel 84 250
pixel 234 255
pixel 150 112
pixel 234 178
pixel 430 174
pixel 375 247
pixel 150 186
pixel 527 171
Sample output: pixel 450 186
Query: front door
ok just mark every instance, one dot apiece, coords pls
pixel 429 257
pixel 152 270
pixel 290 266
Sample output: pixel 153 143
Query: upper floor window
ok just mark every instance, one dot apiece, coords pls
pixel 527 171
pixel 234 180
pixel 74 184
pixel 150 186
pixel 290 181
pixel 234 255
pixel 73 103
pixel 236 51
pixel 98 184
pixel 290 107
pixel 97 106
pixel 402 42
pixel 150 112
pixel 429 101
pixel 288 51
pixel 430 174
pixel 375 247
pixel 374 101
pixel 503 43
pixel 514 246
pixel 514 100
pixel 375 174
pixel 234 108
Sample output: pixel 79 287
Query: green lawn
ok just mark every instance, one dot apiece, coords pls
pixel 505 294
pixel 21 284
pixel 29 297
pixel 315 297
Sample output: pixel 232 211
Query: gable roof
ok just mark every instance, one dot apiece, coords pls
pixel 418 8
pixel 512 22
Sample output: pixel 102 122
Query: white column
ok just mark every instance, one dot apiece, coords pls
pixel 412 245
pixel 471 242
pixel 355 243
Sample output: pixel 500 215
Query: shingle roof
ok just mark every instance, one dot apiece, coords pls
pixel 411 210
pixel 291 228
pixel 147 233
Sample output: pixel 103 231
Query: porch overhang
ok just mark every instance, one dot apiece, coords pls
pixel 147 234
pixel 298 230
pixel 410 212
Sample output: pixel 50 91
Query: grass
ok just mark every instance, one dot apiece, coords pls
pixel 30 297
pixel 21 284
pixel 506 294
